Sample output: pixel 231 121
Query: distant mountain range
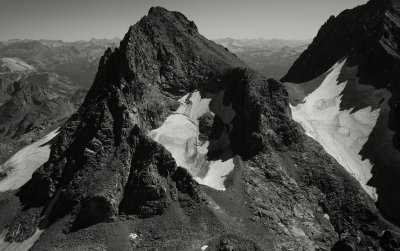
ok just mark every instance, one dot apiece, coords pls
pixel 43 82
pixel 272 57
pixel 76 60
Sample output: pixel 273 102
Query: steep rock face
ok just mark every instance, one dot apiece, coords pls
pixel 367 35
pixel 368 38
pixel 255 113
pixel 102 154
pixel 303 196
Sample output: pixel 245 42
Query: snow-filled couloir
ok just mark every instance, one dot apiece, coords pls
pixel 341 132
pixel 20 166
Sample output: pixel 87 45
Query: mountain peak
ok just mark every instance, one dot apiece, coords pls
pixel 386 3
pixel 109 166
pixel 163 17
pixel 157 10
pixel 360 33
pixel 168 38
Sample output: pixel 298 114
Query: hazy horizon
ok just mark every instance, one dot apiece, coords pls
pixel 101 19
pixel 101 38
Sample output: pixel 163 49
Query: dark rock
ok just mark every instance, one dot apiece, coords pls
pixel 259 103
pixel 95 209
pixel 231 242
pixel 390 240
pixel 206 122
pixel 154 181
pixel 342 245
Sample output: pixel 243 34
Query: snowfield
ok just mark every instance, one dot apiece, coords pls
pixel 15 65
pixel 20 168
pixel 342 133
pixel 179 135
pixel 22 164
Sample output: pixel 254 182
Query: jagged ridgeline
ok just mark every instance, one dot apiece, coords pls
pixel 178 146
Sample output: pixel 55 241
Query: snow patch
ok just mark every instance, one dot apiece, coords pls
pixel 179 135
pixel 19 246
pixel 204 247
pixel 218 170
pixel 133 236
pixel 22 164
pixel 15 65
pixel 341 133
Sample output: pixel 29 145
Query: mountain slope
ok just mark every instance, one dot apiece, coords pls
pixel 32 103
pixel 271 57
pixel 368 38
pixel 112 179
pixel 42 82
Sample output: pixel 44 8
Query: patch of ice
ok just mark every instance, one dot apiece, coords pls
pixel 25 162
pixel 193 105
pixel 133 236
pixel 16 64
pixel 179 135
pixel 218 170
pixel 341 132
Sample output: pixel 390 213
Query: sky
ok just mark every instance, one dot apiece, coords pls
pixel 72 20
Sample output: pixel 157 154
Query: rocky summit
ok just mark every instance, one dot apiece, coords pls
pixel 179 146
